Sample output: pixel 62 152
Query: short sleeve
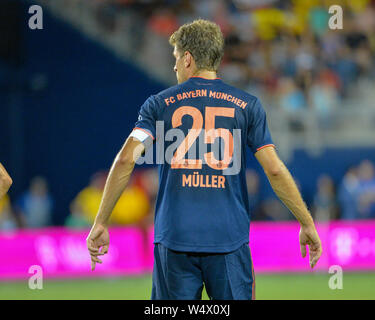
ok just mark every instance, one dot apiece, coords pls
pixel 258 135
pixel 145 127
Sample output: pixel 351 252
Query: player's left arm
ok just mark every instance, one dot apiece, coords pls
pixel 5 181
pixel 118 178
pixel 286 189
pixel 260 142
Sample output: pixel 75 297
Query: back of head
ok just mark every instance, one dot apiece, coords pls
pixel 204 40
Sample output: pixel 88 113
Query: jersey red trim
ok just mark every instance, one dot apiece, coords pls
pixel 253 297
pixel 265 146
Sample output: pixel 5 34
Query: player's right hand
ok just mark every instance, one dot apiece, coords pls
pixel 309 236
pixel 97 243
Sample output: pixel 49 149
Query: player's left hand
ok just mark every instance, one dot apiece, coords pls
pixel 97 243
pixel 308 236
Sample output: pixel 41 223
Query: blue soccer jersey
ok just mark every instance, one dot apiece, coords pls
pixel 201 129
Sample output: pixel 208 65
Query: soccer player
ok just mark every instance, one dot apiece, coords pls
pixel 202 216
pixel 5 181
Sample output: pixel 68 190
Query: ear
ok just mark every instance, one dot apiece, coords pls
pixel 188 59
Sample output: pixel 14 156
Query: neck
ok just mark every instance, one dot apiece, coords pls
pixel 205 74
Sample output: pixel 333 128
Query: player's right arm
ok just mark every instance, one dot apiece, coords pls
pixel 117 181
pixel 5 181
pixel 138 141
pixel 286 189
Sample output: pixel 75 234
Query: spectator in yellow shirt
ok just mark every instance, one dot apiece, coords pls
pixel 132 207
pixel 5 181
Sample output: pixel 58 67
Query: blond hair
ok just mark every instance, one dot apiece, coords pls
pixel 204 40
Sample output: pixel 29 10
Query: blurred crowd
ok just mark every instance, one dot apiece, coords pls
pixel 352 198
pixel 35 207
pixel 281 50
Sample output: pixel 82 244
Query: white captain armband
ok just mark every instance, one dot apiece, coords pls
pixel 142 135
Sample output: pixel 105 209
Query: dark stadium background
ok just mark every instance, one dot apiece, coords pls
pixel 66 117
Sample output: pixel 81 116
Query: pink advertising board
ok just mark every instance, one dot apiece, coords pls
pixel 274 247
pixel 62 252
